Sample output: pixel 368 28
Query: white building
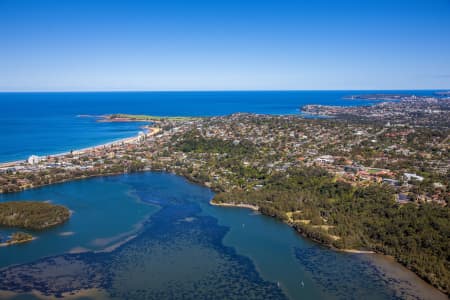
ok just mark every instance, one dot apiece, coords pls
pixel 141 136
pixel 409 176
pixel 33 159
pixel 325 159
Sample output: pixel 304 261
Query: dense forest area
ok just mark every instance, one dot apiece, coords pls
pixel 342 216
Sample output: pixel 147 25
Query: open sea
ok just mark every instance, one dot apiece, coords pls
pixel 154 235
pixel 49 123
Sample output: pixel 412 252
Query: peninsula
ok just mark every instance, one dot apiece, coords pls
pixel 141 118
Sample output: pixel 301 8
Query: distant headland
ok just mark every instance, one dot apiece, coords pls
pixel 141 118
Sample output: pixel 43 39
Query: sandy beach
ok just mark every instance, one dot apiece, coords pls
pixel 354 251
pixel 11 243
pixel 148 132
pixel 241 205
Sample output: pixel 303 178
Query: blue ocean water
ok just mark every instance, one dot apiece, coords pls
pixel 47 123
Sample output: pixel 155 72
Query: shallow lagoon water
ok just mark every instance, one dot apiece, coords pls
pixel 103 214
pixel 184 249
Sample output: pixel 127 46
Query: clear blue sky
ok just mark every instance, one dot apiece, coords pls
pixel 222 45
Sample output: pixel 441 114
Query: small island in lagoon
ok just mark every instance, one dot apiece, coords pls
pixel 30 215
pixel 17 238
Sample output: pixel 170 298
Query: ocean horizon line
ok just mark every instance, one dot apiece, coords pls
pixel 212 90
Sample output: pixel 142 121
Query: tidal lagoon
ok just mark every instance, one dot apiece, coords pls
pixel 155 235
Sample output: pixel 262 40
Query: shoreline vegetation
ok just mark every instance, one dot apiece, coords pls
pixel 289 223
pixel 32 215
pixel 275 164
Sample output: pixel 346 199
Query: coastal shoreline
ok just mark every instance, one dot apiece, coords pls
pixel 149 131
pixel 256 208
pixel 386 264
pixel 238 205
pixel 108 144
pixel 354 251
pixel 406 278
pixel 12 243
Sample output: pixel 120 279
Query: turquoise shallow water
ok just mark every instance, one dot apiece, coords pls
pixel 184 248
pixel 103 214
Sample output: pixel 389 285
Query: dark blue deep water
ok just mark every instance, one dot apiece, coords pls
pixel 47 123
